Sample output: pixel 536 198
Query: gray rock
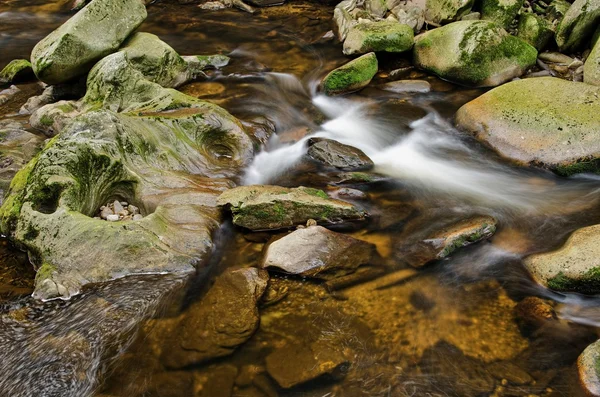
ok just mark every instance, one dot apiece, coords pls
pixel 440 12
pixel 105 212
pixel 117 207
pixel 112 218
pixel 578 25
pixel 342 19
pixel 410 15
pixel 401 86
pixel 334 154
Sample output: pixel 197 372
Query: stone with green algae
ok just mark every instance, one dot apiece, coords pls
pixel 473 53
pixel 578 25
pixel 380 36
pixel 441 12
pixel 352 76
pixel 591 68
pixel 535 30
pixel 15 70
pixel 502 12
pixel 544 121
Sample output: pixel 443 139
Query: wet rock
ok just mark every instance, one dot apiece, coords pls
pixel 17 147
pixel 54 93
pixel 502 12
pixel 317 253
pixel 402 86
pixel 348 194
pixel 263 207
pixel 510 372
pixel 171 384
pixel 294 364
pixel 15 70
pixel 578 25
pixel 474 53
pixel 334 154
pixel 197 63
pixel 535 30
pixel 533 313
pixel 215 381
pixel 8 93
pixel 378 36
pixel 591 71
pixel 410 15
pixel 94 32
pixel 573 267
pixel 441 12
pixel 352 76
pixel 589 369
pixel 222 320
pixel 508 119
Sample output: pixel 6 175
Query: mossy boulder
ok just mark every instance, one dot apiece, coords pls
pixel 503 12
pixel 473 53
pixel 578 25
pixel 352 76
pixel 384 36
pixel 16 69
pixel 575 267
pixel 544 121
pixel 535 30
pixel 445 11
pixel 91 34
pixel 591 68
pixel 556 11
pixel 263 207
pixel 588 368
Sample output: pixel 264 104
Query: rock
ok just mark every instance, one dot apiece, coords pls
pixel 509 119
pixel 17 147
pixel 8 93
pixel 17 69
pixel 382 36
pixel 578 25
pixel 294 363
pixel 410 15
pixel 377 8
pixel 589 369
pixel 574 267
pixel 216 382
pixel 317 253
pixel 473 53
pixel 555 57
pixel 440 12
pixel 472 16
pixel 352 76
pixel 105 212
pixel 197 63
pixel 137 217
pixel 91 34
pixel 402 86
pixel 591 69
pixel 534 30
pixel 112 218
pixel 556 11
pixel 502 12
pixel 533 313
pixel 222 320
pixel 342 19
pixel 117 207
pixel 53 94
pixel 334 154
pixel 263 207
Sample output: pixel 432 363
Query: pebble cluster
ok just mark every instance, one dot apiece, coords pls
pixel 119 211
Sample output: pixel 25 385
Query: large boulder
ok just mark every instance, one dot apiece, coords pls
pixel 352 76
pixel 578 25
pixel 384 36
pixel 535 30
pixel 94 32
pixel 473 53
pixel 591 69
pixel 574 267
pixel 445 11
pixel 544 121
pixel 263 207
pixel 503 12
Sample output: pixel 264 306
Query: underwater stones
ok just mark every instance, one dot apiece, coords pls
pixel 502 12
pixel 588 367
pixel 384 36
pixel 264 207
pixel 533 313
pixel 91 34
pixel 544 121
pixel 473 53
pixel 444 11
pixel 534 30
pixel 352 76
pixel 575 267
pixel 317 253
pixel 404 86
pixel 222 320
pixel 591 69
pixel 578 25
pixel 337 155
pixel 17 147
pixel 15 70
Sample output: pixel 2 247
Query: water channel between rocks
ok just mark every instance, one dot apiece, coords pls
pixel 451 329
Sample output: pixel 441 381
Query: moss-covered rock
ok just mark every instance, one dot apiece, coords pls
pixel 556 11
pixel 16 69
pixel 591 69
pixel 94 32
pixel 578 25
pixel 444 11
pixel 384 36
pixel 262 207
pixel 17 148
pixel 545 121
pixel 575 267
pixel 588 367
pixel 473 53
pixel 535 30
pixel 352 76
pixel 503 12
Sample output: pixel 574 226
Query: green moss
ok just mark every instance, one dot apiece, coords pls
pixel 44 272
pixel 588 283
pixel 15 70
pixel 352 76
pixel 46 120
pixel 589 166
pixel 66 108
pixel 315 192
pixel 361 177
pixel 502 12
pixel 31 233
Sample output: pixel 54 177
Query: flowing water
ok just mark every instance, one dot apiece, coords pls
pixel 449 331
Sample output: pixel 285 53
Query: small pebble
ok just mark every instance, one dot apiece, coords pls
pixel 137 217
pixel 117 207
pixel 112 218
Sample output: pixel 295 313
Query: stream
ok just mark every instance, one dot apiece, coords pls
pixel 453 329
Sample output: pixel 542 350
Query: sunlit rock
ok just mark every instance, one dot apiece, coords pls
pixel 384 36
pixel 352 76
pixel 591 71
pixel 588 366
pixel 444 11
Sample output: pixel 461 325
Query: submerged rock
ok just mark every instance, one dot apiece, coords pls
pixel 578 25
pixel 575 267
pixel 502 12
pixel 385 36
pixel 225 318
pixel 338 155
pixel 352 76
pixel 15 70
pixel 263 207
pixel 591 71
pixel 535 30
pixel 91 34
pixel 473 53
pixel 588 366
pixel 444 11
pixel 543 121
pixel 318 253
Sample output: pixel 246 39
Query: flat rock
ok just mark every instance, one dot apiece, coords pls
pixel 384 36
pixel 222 320
pixel 543 121
pixel 318 253
pixel 264 207
pixel 337 155
pixel 589 369
pixel 402 86
pixel 352 76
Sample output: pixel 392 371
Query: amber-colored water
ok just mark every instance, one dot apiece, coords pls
pixel 451 330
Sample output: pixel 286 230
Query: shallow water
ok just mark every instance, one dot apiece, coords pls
pixel 449 331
